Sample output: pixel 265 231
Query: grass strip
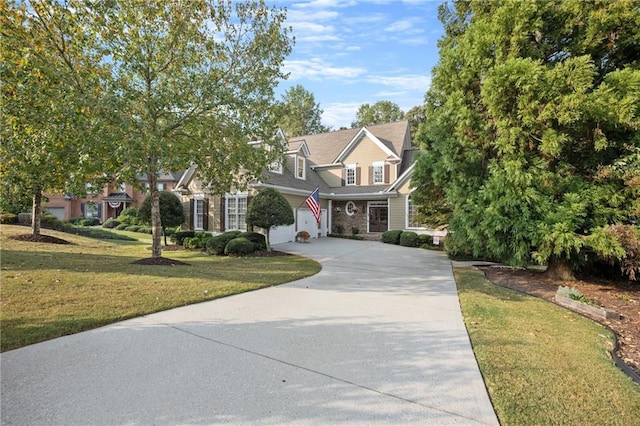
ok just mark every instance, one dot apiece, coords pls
pixel 543 364
pixel 52 290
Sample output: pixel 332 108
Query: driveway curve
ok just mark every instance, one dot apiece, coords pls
pixel 375 338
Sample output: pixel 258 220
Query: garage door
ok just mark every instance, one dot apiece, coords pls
pixel 282 234
pixel 307 222
pixel 58 212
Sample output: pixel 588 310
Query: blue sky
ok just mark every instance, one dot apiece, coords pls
pixel 351 52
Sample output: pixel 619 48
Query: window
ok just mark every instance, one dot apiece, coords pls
pixel 276 166
pixel 413 218
pixel 162 186
pixel 122 187
pixel 350 208
pixel 300 164
pixel 90 210
pixel 236 211
pixel 350 174
pixel 198 214
pixel 378 172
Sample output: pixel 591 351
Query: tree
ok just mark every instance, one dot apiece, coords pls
pixel 533 109
pixel 267 209
pixel 195 84
pixel 171 211
pixel 301 114
pixel 55 120
pixel 416 116
pixel 378 113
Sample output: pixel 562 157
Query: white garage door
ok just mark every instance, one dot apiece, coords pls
pixel 282 234
pixel 307 222
pixel 56 211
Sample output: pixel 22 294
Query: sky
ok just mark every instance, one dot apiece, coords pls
pixel 351 52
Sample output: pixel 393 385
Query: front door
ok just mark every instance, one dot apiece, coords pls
pixel 378 217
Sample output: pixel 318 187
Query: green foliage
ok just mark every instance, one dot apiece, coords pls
pixel 301 115
pixel 129 216
pixel 56 114
pixel 416 116
pixel 378 113
pixel 425 241
pixel 122 226
pixel 532 130
pixel 391 236
pixel 258 239
pixel 179 236
pixel 8 218
pixel 90 221
pixel 239 247
pixel 355 230
pixel 339 229
pixel 198 241
pixel 171 211
pixel 409 239
pixel 111 223
pixel 269 208
pixel 133 228
pixel 216 245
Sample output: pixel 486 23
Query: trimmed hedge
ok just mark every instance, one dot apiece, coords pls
pixel 90 221
pixel 409 239
pixel 198 241
pixel 133 228
pixel 391 237
pixel 239 247
pixel 259 241
pixel 179 236
pixel 217 244
pixel 425 241
pixel 122 226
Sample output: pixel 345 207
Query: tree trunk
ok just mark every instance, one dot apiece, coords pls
pixel 164 233
pixel 156 225
pixel 36 212
pixel 266 240
pixel 559 269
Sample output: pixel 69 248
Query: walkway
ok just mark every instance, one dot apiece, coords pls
pixel 375 338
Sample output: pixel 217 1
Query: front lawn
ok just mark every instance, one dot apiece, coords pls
pixel 51 290
pixel 541 363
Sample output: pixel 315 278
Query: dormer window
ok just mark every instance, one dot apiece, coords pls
pixel 300 167
pixel 276 166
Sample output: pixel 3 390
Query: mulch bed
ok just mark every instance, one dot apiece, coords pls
pixel 159 261
pixel 622 297
pixel 39 239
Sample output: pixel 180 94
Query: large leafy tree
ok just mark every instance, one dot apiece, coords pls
pixel 415 116
pixel 195 83
pixel 55 112
pixel 379 113
pixel 267 209
pixel 301 115
pixel 533 129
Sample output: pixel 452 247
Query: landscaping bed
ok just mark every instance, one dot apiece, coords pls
pixel 621 297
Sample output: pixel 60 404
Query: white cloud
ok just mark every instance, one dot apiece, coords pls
pixel 316 68
pixel 411 82
pixel 339 114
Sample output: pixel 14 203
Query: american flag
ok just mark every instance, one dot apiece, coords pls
pixel 313 202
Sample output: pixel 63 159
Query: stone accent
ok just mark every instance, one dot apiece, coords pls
pixel 342 219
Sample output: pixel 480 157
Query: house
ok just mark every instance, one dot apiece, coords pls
pixel 109 202
pixel 363 175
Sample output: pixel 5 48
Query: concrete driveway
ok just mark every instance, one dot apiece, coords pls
pixel 375 338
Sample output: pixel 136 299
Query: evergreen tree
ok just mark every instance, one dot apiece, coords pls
pixel 171 211
pixel 533 129
pixel 267 209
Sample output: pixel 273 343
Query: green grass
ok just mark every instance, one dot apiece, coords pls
pixel 543 364
pixel 51 290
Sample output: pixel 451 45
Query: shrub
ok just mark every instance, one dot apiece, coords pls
pixel 129 215
pixel 216 244
pixel 51 222
pixel 409 239
pixel 76 220
pixel 90 221
pixel 391 237
pixel 8 218
pixel 239 247
pixel 355 231
pixel 179 237
pixel 339 229
pixel 122 226
pixel 425 240
pixel 133 228
pixel 169 231
pixel 198 241
pixel 145 230
pixel 258 239
pixel 111 223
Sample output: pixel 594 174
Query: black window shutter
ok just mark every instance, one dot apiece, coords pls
pixel 222 214
pixel 192 212
pixel 205 221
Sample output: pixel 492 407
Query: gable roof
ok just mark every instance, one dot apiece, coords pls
pixel 386 147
